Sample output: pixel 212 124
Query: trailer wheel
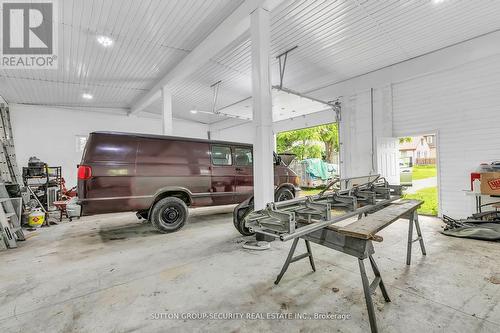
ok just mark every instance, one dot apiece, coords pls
pixel 239 221
pixel 169 214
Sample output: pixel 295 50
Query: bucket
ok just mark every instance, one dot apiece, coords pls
pixel 36 218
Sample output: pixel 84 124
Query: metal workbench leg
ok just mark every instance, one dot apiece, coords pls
pixel 290 258
pixel 414 219
pixel 368 296
pixel 410 238
pixel 287 261
pixel 311 259
pixel 419 234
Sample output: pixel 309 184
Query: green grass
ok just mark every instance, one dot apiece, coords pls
pixel 424 171
pixel 309 191
pixel 430 198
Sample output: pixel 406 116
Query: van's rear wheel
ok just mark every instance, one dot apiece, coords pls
pixel 283 194
pixel 169 214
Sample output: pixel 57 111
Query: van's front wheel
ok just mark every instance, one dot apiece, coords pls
pixel 169 214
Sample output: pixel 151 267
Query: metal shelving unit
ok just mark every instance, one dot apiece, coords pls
pixel 46 187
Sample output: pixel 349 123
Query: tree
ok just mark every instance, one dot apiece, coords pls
pixel 329 135
pixel 302 142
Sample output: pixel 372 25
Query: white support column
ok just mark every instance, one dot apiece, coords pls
pixel 167 120
pixel 263 168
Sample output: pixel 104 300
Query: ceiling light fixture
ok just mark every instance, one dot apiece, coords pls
pixel 194 111
pixel 87 96
pixel 105 41
pixel 437 2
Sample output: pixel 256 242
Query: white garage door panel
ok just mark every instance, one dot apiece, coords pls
pixel 463 104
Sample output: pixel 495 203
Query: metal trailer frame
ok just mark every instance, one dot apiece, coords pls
pixel 310 218
pixel 278 219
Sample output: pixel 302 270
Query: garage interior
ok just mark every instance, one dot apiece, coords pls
pixel 143 188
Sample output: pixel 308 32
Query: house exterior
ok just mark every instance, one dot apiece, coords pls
pixel 420 149
pixel 431 141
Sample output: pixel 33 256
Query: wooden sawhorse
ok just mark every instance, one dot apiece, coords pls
pixel 356 239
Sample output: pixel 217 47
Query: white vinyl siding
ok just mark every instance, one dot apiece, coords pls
pixel 463 105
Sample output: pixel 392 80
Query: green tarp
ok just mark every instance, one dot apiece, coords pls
pixel 317 168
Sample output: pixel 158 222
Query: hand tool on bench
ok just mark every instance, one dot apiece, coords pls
pixel 314 220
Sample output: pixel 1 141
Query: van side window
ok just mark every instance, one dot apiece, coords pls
pixel 243 156
pixel 221 155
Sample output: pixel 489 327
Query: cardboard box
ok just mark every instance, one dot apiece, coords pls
pixel 490 183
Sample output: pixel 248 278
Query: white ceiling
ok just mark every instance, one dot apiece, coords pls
pixel 336 40
pixel 150 38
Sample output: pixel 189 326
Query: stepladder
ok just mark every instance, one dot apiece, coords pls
pixel 10 215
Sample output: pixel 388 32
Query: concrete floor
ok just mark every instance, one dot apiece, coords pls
pixel 110 273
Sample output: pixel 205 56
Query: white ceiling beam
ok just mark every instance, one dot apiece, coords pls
pixel 230 29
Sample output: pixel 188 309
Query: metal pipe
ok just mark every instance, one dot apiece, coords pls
pixel 293 92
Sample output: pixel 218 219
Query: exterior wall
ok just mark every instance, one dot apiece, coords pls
pixel 463 105
pixel 51 133
pixel 422 150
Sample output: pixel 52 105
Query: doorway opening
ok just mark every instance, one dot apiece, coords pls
pixel 314 155
pixel 418 165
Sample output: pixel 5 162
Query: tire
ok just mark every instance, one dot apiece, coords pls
pixel 169 214
pixel 283 194
pixel 239 221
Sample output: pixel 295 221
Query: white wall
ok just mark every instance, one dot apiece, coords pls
pixel 50 133
pixel 453 92
pixel 241 131
pixel 460 104
pixel 463 106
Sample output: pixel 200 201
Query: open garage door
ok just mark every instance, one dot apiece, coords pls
pixel 388 159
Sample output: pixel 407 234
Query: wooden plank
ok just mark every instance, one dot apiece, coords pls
pixel 367 227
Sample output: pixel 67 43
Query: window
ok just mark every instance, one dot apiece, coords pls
pixel 243 156
pixel 221 155
pixel 81 141
pixel 430 139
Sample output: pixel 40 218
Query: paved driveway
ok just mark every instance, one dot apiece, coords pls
pixel 422 183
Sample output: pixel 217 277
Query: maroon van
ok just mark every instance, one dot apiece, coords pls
pixel 160 176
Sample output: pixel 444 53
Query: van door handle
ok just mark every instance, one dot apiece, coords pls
pixel 239 169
